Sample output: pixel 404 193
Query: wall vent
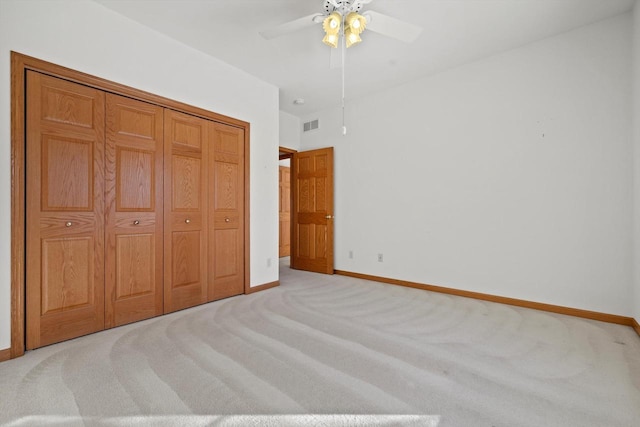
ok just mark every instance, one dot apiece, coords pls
pixel 312 125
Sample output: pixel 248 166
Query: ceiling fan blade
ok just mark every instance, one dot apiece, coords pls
pixel 292 26
pixel 392 27
pixel 336 58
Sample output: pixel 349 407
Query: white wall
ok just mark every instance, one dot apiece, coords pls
pixel 509 176
pixel 636 123
pixel 289 131
pixel 88 37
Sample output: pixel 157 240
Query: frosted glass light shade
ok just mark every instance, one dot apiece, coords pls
pixel 357 23
pixel 351 38
pixel 331 24
pixel 331 40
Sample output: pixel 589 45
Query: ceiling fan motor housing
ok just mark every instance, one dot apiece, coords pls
pixel 343 6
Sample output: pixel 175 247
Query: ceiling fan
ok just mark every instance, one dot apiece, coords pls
pixel 375 21
pixel 342 21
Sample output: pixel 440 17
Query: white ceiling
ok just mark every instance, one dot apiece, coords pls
pixel 455 32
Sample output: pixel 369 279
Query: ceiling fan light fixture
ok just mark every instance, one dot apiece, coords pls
pixel 331 40
pixel 331 24
pixel 331 27
pixel 356 22
pixel 351 37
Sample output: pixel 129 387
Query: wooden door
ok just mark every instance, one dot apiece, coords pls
pixel 185 210
pixel 284 248
pixel 133 197
pixel 226 211
pixel 64 210
pixel 312 186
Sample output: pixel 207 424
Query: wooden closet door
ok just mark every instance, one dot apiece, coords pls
pixel 133 169
pixel 64 212
pixel 185 211
pixel 226 211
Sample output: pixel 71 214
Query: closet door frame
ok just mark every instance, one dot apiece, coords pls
pixel 20 63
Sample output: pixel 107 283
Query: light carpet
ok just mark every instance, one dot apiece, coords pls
pixel 334 351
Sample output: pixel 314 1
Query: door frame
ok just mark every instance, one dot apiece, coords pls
pixel 20 63
pixel 285 153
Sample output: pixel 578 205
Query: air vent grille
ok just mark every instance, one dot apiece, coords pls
pixel 312 125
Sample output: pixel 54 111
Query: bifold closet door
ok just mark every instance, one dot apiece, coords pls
pixel 134 210
pixel 185 210
pixel 64 210
pixel 226 211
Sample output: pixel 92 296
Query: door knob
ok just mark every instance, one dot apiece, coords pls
pixel 68 224
pixel 136 222
pixel 329 217
pixel 187 220
pixel 227 220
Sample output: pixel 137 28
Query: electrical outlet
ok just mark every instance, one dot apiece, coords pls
pixel 351 254
pixel 379 257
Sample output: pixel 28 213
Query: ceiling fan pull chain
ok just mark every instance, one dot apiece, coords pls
pixel 344 65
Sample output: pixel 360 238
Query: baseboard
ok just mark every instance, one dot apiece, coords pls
pixel 5 354
pixel 264 287
pixel 635 325
pixel 586 314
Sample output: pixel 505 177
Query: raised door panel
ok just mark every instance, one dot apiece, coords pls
pixel 134 217
pixel 285 211
pixel 135 179
pixel 64 211
pixel 185 256
pixel 186 222
pixel 226 211
pixel 68 272
pixel 312 212
pixel 135 265
pixel 186 188
pixel 67 188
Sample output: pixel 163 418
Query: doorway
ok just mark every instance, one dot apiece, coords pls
pixel 311 214
pixel 284 206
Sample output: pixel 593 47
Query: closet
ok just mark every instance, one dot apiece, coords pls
pixel 132 210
